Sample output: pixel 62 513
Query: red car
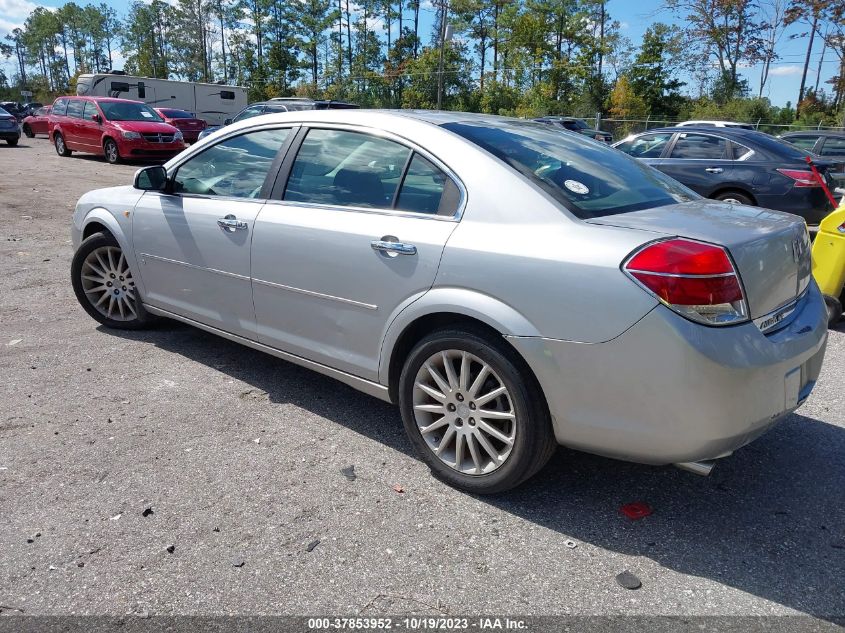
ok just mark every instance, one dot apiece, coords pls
pixel 185 121
pixel 118 129
pixel 37 122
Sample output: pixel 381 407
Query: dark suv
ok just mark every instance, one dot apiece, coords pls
pixel 10 131
pixel 280 104
pixel 576 125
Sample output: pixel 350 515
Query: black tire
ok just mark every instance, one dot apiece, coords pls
pixel 834 310
pixel 111 152
pixel 734 196
pixel 12 141
pixel 533 443
pixel 28 131
pixel 93 242
pixel 61 148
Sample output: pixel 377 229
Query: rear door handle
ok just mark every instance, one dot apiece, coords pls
pixel 393 248
pixel 231 223
pixel 714 170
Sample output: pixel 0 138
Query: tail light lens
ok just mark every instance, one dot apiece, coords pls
pixel 802 177
pixel 696 280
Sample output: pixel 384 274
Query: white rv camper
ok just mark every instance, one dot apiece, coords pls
pixel 212 102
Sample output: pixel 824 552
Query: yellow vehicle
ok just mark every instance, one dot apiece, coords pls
pixel 829 261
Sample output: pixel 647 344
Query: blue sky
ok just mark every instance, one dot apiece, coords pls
pixel 634 15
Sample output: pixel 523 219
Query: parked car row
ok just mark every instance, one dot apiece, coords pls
pixel 733 164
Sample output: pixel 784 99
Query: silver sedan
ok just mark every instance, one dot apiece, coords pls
pixel 511 288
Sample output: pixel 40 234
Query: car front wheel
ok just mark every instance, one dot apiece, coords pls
pixel 104 284
pixel 28 131
pixel 111 151
pixel 473 411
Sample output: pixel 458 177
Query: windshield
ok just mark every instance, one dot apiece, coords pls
pixel 177 114
pixel 589 178
pixel 128 111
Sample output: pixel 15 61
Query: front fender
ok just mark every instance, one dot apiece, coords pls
pixel 489 310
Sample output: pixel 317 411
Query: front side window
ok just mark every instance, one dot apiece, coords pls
pixel 75 107
pixel 90 110
pixel 128 111
pixel 235 167
pixel 833 147
pixel 590 179
pixel 700 146
pixel 340 168
pixel 646 145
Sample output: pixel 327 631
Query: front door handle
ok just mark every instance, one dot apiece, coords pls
pixel 231 223
pixel 393 248
pixel 714 170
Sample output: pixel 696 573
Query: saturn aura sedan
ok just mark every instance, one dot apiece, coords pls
pixel 511 288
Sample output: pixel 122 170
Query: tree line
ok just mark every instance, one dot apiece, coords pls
pixel 523 57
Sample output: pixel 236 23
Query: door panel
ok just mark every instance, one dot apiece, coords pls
pixel 191 265
pixel 320 289
pixel 700 161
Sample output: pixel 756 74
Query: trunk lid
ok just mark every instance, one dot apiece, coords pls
pixel 771 250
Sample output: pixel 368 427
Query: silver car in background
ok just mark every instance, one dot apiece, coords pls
pixel 511 288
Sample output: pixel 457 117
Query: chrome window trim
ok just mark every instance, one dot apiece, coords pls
pixel 401 140
pixel 712 160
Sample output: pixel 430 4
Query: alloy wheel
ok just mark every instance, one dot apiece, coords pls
pixel 108 283
pixel 464 412
pixel 60 144
pixel 111 152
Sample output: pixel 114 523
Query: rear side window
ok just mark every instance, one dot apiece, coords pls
pixel 340 168
pixel 426 189
pixel 700 146
pixel 646 145
pixel 589 179
pixel 235 167
pixel 75 107
pixel 60 107
pixel 833 147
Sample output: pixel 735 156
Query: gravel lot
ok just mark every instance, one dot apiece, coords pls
pixel 239 457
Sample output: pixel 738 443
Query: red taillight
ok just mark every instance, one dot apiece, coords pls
pixel 802 177
pixel 695 279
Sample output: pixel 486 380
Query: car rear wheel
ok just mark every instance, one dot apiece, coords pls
pixel 734 196
pixel 111 151
pixel 834 310
pixel 473 412
pixel 104 284
pixel 28 131
pixel 12 141
pixel 61 148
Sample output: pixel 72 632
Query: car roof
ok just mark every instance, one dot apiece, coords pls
pixel 833 133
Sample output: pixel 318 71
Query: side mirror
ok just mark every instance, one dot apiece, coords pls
pixel 152 178
pixel 227 122
pixel 97 118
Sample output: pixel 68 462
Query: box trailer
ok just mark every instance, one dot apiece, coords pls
pixel 213 103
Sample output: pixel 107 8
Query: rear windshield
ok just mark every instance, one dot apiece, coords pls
pixel 128 111
pixel 590 179
pixel 4 113
pixel 178 114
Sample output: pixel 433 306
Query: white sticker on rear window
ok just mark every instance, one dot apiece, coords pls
pixel 146 114
pixel 577 187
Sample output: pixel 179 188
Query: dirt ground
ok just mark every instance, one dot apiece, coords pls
pixel 171 472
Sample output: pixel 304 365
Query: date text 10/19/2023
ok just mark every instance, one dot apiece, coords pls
pixel 417 624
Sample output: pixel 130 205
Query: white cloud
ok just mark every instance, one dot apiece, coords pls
pixel 17 9
pixel 782 71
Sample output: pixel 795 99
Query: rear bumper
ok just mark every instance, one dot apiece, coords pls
pixel 669 390
pixel 810 203
pixel 10 134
